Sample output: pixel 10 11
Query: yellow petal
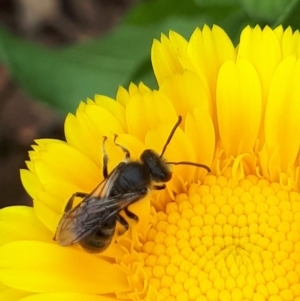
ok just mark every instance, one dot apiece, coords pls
pixel 262 49
pixel 20 222
pixel 140 89
pixel 178 40
pixel 122 96
pixel 145 111
pixel 114 107
pixel 207 50
pixel 82 136
pixel 45 141
pixel 164 56
pixel 31 182
pixel 10 294
pixel 66 296
pixel 40 146
pixel 44 267
pixel 103 120
pixel 282 122
pixel 290 43
pixel 78 169
pixel 45 213
pixel 186 92
pixel 279 31
pixel 86 131
pixel 199 129
pixel 239 112
pixel 56 194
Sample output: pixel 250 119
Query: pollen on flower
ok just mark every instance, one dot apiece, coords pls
pixel 217 242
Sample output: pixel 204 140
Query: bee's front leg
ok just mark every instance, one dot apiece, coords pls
pixel 159 187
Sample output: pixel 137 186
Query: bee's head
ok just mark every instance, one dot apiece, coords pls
pixel 159 170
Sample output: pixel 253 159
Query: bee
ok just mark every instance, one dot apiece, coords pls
pixel 92 223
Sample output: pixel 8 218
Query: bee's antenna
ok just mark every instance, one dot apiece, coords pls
pixel 190 163
pixel 171 135
pixel 181 162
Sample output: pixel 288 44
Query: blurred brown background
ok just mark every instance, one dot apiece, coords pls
pixel 52 23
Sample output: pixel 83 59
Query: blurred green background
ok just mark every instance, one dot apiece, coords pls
pixel 63 77
pixel 81 63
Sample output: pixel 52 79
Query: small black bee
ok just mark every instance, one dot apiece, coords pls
pixel 92 223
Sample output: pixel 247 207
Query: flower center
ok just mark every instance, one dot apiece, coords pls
pixel 222 241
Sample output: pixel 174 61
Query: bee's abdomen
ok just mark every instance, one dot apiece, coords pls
pixel 100 239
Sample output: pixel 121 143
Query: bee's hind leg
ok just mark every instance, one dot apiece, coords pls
pixel 123 222
pixel 69 205
pixel 131 215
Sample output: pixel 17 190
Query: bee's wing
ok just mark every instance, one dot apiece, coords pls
pixel 82 220
pixel 104 188
pixel 75 218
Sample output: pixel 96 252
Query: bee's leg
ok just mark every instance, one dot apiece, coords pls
pixel 123 222
pixel 131 214
pixel 159 187
pixel 69 205
pixel 125 150
pixel 104 159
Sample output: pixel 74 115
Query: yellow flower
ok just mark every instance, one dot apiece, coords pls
pixel 232 234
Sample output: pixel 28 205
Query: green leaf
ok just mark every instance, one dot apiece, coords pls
pixel 64 77
pixel 155 11
pixel 290 15
pixel 266 11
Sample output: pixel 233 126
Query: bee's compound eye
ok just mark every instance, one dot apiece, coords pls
pixel 166 176
pixel 159 170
